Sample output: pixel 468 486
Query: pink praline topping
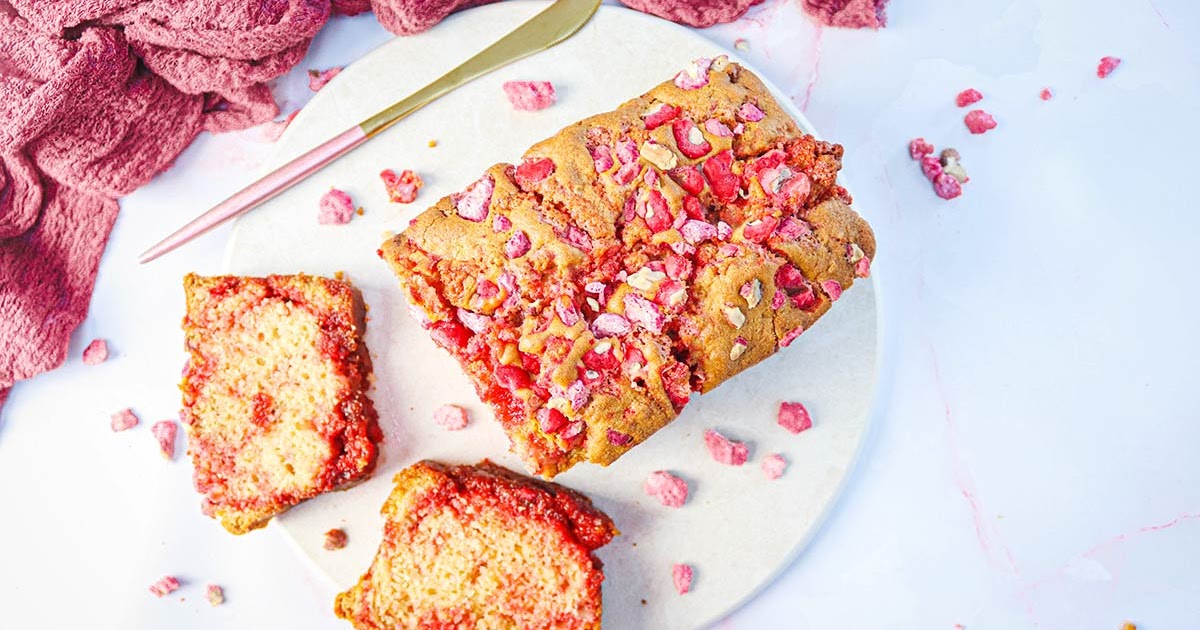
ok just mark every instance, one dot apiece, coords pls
pixel 450 417
pixel 96 352
pixel 671 491
pixel 681 575
pixel 794 417
pixel 335 208
pixel 774 466
pixel 724 450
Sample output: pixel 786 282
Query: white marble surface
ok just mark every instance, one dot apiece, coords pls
pixel 1032 462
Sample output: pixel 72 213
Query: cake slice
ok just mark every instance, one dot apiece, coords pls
pixel 467 547
pixel 632 259
pixel 274 393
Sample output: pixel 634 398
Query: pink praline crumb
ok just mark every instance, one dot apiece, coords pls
pixel 318 78
pixel 164 431
pixel 946 187
pixel 1106 66
pixel 165 586
pixel 215 595
pixel 1046 94
pixel 96 352
pixel 979 121
pixel 451 417
pixel 774 466
pixel 123 420
pixel 336 208
pixel 335 539
pixel 794 417
pixel 681 575
pixel 530 96
pixel 671 491
pixel 967 97
pixel 724 450
pixel 918 148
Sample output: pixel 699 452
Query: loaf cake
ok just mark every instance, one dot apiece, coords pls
pixel 470 547
pixel 634 258
pixel 274 393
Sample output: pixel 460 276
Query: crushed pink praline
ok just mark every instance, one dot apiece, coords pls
pixel 164 431
pixel 918 148
pixel 967 97
pixel 671 491
pixel 1106 66
pixel 724 450
pixel 681 576
pixel 335 208
pixel 979 121
pixel 794 417
pixel 530 96
pixel 774 466
pixel 450 417
pixel 123 420
pixel 96 352
pixel 164 586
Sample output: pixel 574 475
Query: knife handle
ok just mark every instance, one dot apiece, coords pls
pixel 260 191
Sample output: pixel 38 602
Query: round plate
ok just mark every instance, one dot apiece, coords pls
pixel 738 529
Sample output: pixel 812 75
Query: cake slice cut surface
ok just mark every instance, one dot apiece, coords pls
pixel 468 547
pixel 274 393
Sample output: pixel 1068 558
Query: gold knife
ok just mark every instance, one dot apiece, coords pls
pixel 557 23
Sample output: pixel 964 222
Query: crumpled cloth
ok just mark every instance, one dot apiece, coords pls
pixel 99 96
pixel 849 13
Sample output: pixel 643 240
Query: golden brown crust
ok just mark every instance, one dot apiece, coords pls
pixel 274 393
pixel 717 232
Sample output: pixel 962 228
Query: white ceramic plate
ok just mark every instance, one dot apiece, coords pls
pixel 738 529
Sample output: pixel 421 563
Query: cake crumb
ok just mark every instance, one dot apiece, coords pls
pixel 967 97
pixel 433 143
pixel 339 275
pixel 741 44
pixel 530 96
pixel 164 586
pixel 1128 626
pixel 215 594
pixel 164 431
pixel 724 450
pixel 335 539
pixel 451 417
pixel 1046 94
pixel 1106 66
pixel 794 417
pixel 774 466
pixel 96 352
pixel 671 491
pixel 317 79
pixel 335 208
pixel 123 420
pixel 681 575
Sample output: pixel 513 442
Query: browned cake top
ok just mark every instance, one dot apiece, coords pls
pixel 634 258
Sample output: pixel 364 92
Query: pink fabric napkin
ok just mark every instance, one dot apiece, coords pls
pixel 96 97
